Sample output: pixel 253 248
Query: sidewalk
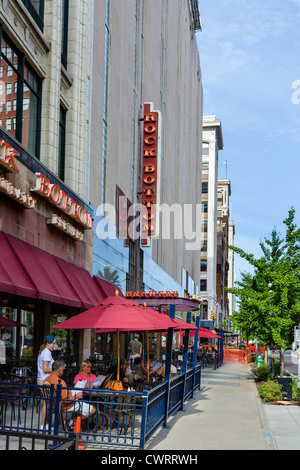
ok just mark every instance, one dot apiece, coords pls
pixel 227 414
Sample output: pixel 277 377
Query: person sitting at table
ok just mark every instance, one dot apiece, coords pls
pixel 162 370
pixel 85 374
pixel 69 398
pixel 122 373
pixel 140 371
pixel 152 361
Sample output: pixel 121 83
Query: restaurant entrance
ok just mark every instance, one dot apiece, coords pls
pixel 24 323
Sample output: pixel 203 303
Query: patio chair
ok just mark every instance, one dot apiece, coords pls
pixel 64 415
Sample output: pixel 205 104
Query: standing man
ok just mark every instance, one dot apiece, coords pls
pixel 135 347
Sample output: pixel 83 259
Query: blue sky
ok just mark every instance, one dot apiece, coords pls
pixel 250 59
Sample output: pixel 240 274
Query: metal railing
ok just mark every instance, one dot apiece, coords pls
pixel 112 418
pixel 18 440
pixel 214 360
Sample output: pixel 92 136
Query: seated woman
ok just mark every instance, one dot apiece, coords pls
pixel 85 375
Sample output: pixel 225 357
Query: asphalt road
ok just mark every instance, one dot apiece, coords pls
pixel 291 362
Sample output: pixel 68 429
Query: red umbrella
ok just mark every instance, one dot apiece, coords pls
pixel 177 325
pixel 203 333
pixel 117 313
pixel 7 322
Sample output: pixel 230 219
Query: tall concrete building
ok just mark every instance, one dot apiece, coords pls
pixel 212 144
pixel 88 91
pixel 146 52
pixel 225 234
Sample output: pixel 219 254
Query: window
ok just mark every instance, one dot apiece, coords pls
pixel 62 143
pixel 203 285
pixel 64 38
pixel 8 124
pixel 204 309
pixel 36 10
pixel 204 226
pixel 204 207
pixel 8 88
pixel 23 90
pixel 204 265
pixel 205 149
pixel 204 188
pixel 8 106
pixel 205 167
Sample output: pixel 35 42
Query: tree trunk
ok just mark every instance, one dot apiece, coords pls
pixel 281 362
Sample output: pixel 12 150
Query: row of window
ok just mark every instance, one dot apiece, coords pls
pixel 12 105
pixel 21 89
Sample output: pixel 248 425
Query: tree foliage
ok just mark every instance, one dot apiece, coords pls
pixel 269 299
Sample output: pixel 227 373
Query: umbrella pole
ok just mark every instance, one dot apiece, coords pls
pixel 118 352
pixel 147 343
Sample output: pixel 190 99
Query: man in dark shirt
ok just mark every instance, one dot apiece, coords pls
pixel 135 347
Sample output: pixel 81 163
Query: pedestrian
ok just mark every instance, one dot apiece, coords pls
pixel 135 347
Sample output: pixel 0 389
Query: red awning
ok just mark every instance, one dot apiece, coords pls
pixel 13 279
pixel 28 271
pixel 44 273
pixel 107 288
pixel 85 286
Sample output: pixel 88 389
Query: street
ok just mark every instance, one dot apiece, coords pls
pixel 291 362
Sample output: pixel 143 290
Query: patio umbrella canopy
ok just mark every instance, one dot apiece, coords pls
pixel 117 313
pixel 203 333
pixel 177 325
pixel 7 322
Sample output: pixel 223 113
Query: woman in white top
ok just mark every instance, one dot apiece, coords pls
pixel 45 359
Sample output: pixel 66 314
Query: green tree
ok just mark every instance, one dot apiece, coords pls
pixel 110 275
pixel 269 299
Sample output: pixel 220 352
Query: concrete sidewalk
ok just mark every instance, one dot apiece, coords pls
pixel 227 414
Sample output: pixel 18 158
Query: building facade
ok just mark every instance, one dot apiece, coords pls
pixel 212 144
pixel 225 233
pixel 76 77
pixel 154 59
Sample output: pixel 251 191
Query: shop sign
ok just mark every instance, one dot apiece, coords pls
pixel 62 201
pixel 18 195
pixel 7 157
pixel 65 226
pixel 153 294
pixel 8 163
pixel 150 173
pixel 50 191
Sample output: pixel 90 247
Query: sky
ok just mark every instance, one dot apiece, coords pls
pixel 250 63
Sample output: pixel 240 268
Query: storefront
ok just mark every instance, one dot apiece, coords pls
pixel 45 242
